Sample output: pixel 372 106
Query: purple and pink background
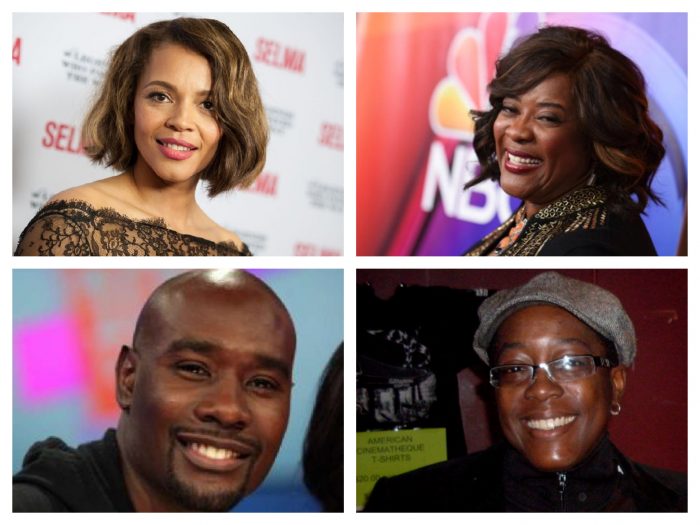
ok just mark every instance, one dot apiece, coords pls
pixel 68 327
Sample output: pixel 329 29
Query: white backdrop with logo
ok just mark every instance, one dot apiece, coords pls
pixel 296 205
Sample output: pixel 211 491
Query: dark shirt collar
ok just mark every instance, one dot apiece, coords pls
pixel 589 486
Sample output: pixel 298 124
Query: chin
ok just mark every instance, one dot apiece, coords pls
pixel 197 500
pixel 174 177
pixel 552 466
pixel 552 460
pixel 511 187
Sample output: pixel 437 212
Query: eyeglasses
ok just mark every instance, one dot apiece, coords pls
pixel 567 368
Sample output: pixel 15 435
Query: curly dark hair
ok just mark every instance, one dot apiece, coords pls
pixel 323 446
pixel 610 98
pixel 108 128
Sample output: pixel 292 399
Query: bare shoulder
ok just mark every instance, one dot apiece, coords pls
pixel 224 235
pixel 98 194
pixel 230 236
pixel 80 193
pixel 218 233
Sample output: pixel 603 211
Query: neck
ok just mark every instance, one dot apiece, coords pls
pixel 174 202
pixel 531 208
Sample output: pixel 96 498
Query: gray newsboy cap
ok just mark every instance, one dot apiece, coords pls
pixel 593 305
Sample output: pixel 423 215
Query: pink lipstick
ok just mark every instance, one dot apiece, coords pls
pixel 176 149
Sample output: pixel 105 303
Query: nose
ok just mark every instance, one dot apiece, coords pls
pixel 519 129
pixel 225 403
pixel 180 118
pixel 542 386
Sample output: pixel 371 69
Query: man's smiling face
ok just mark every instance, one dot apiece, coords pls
pixel 209 389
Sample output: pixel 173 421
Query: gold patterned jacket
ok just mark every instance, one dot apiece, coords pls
pixel 581 224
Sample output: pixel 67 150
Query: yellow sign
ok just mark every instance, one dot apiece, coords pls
pixel 392 452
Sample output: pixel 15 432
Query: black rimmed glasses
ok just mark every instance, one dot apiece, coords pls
pixel 567 368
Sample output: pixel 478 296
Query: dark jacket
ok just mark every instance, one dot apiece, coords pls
pixel 579 223
pixel 499 479
pixel 56 477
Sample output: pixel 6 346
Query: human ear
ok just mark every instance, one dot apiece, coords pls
pixel 125 372
pixel 618 379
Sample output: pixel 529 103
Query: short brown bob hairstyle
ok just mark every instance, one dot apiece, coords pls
pixel 108 133
pixel 609 92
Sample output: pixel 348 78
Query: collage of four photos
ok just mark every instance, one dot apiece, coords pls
pixel 158 373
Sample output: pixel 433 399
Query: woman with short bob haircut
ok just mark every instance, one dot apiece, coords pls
pixel 179 104
pixel 569 133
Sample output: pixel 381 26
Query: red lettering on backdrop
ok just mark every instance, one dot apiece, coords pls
pixel 275 54
pixel 128 17
pixel 264 49
pixel 17 50
pixel 266 183
pixel 62 137
pixel 294 59
pixel 331 135
pixel 308 249
pixel 301 248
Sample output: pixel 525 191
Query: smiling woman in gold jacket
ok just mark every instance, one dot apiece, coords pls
pixel 569 133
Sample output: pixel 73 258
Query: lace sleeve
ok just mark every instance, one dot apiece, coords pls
pixel 52 234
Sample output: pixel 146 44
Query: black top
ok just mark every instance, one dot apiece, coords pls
pixel 618 236
pixel 579 223
pixel 56 477
pixel 500 479
pixel 76 228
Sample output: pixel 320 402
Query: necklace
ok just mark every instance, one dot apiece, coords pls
pixel 513 233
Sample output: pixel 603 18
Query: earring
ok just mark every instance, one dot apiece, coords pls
pixel 591 177
pixel 616 408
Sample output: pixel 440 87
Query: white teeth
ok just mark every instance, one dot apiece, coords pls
pixel 550 424
pixel 176 147
pixel 524 161
pixel 211 452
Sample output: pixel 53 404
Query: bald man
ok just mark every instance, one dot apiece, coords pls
pixel 204 392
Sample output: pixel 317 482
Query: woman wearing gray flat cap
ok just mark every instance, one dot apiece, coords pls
pixel 558 350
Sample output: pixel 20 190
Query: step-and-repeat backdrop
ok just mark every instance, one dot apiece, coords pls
pixel 296 205
pixel 419 74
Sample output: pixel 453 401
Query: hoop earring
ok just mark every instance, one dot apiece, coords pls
pixel 615 409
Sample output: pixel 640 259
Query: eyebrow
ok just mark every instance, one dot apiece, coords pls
pixel 274 364
pixel 208 347
pixel 170 87
pixel 545 104
pixel 518 345
pixel 554 105
pixel 196 345
pixel 573 340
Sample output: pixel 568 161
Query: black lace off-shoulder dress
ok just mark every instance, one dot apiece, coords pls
pixel 76 228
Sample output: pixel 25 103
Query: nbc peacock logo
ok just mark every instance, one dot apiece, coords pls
pixel 471 64
pixel 471 60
